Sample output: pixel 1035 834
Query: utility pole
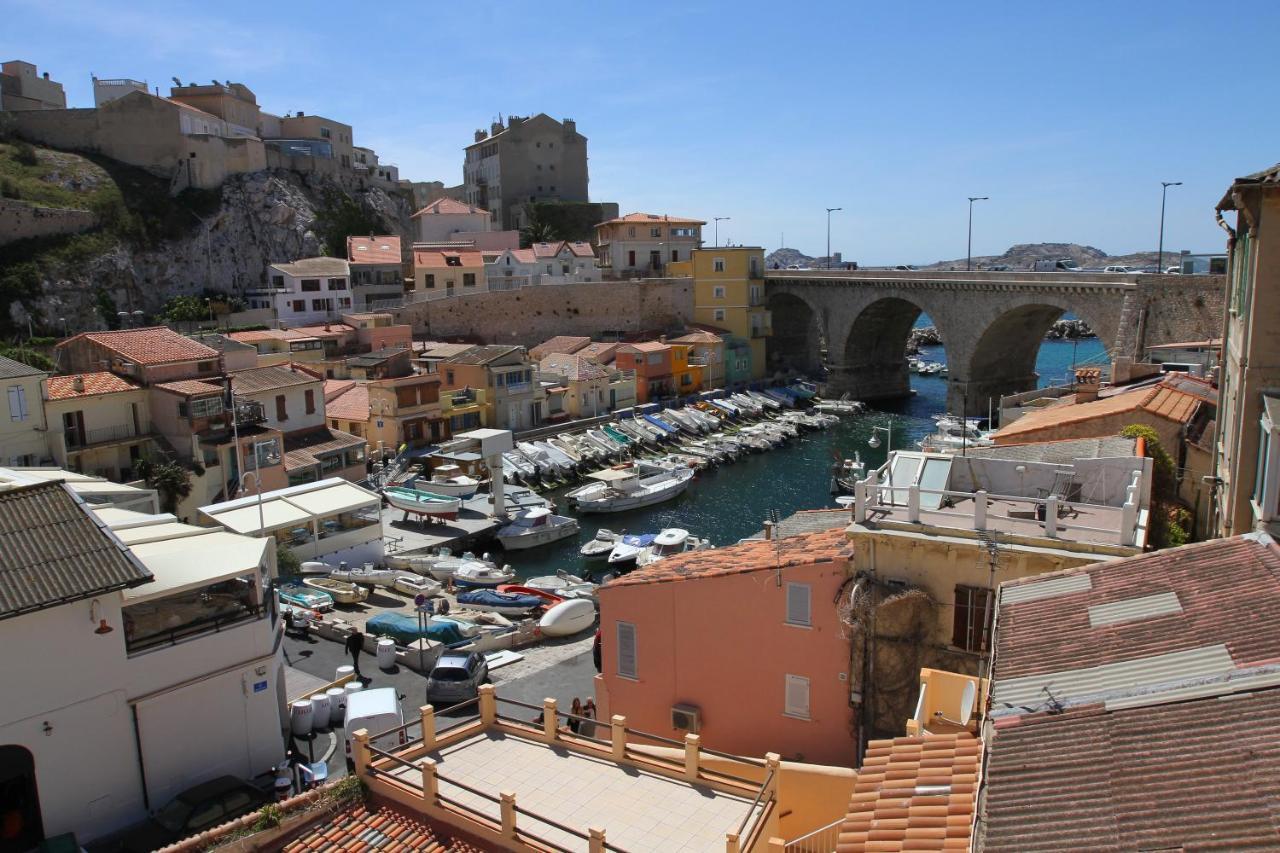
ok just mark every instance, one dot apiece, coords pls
pixel 1164 191
pixel 830 210
pixel 718 219
pixel 968 259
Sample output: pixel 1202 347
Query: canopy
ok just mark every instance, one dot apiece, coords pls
pixel 639 540
pixel 195 561
pixel 612 475
pixel 343 497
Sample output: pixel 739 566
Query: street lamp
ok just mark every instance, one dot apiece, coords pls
pixel 830 210
pixel 717 224
pixel 968 258
pixel 1164 191
pixel 874 441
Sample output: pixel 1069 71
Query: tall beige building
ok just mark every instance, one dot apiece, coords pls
pixel 1248 440
pixel 530 159
pixel 22 88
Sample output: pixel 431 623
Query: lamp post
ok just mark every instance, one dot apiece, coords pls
pixel 968 257
pixel 717 224
pixel 874 441
pixel 1164 191
pixel 830 210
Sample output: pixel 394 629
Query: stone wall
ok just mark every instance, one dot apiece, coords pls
pixel 531 315
pixel 1180 308
pixel 19 220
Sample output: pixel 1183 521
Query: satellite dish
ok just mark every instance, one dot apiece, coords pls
pixel 966 703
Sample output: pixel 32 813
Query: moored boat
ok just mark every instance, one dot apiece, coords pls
pixel 422 503
pixel 305 597
pixel 616 490
pixel 416 585
pixel 534 527
pixel 506 603
pixel 340 591
pixel 599 546
pixel 449 481
pixel 567 618
pixel 475 575
pixel 627 548
pixel 668 542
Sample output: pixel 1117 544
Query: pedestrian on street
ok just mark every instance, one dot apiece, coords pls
pixel 575 711
pixel 589 726
pixel 355 644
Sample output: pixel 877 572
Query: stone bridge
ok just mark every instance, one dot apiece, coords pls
pixel 855 324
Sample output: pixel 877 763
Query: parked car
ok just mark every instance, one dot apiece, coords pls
pixel 999 268
pixel 1173 270
pixel 1120 268
pixel 195 810
pixel 906 267
pixel 1061 265
pixel 457 677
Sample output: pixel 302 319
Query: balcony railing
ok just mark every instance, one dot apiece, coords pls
pixel 248 412
pixel 821 840
pixel 106 435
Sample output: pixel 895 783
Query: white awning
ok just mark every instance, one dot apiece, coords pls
pixel 612 475
pixel 277 513
pixel 193 562
pixel 136 535
pixel 342 497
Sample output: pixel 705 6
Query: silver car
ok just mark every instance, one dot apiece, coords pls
pixel 456 677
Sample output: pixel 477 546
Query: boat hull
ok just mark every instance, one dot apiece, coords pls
pixel 537 538
pixel 568 617
pixel 622 503
pixel 447 509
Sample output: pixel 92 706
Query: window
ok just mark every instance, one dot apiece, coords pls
pixel 631 258
pixel 282 411
pixel 631 232
pixel 675 254
pixel 298 305
pixel 205 407
pixel 311 401
pixel 448 377
pixel 969 629
pixel 718 265
pixel 553 168
pixel 277 281
pixel 682 232
pixel 468 279
pixel 430 280
pixel 717 293
pixel 321 304
pixel 1266 487
pixel 206 366
pixel 344 302
pixel 17 403
pixel 337 284
pixel 655 232
pixel 310 285
pixel 718 314
pixel 796 698
pixel 627 665
pixel 325 133
pixel 798 604
pixel 553 187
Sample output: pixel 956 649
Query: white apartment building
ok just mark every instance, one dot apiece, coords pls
pixel 305 292
pixel 141 659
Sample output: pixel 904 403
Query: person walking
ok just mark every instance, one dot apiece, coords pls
pixel 588 728
pixel 575 711
pixel 355 645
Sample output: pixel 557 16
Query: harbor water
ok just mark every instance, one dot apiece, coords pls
pixel 730 502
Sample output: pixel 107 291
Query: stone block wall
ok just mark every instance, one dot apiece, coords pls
pixel 1180 308
pixel 531 315
pixel 19 220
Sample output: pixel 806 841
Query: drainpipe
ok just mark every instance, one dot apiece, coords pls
pixel 142 767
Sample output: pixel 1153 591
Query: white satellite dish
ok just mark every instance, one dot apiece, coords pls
pixel 966 703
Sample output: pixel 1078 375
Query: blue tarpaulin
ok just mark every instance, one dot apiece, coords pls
pixel 405 628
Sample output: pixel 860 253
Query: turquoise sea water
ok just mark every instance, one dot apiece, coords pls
pixel 732 501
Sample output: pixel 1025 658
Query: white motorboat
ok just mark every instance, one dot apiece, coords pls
pixel 558 456
pixel 476 574
pixel 340 591
pixel 449 480
pixel 566 446
pixel 567 618
pixel 526 469
pixel 620 489
pixel 668 542
pixel 369 575
pixel 564 585
pixel 416 585
pixel 534 527
pixel 600 546
pixel 954 434
pixel 418 502
pixel 627 548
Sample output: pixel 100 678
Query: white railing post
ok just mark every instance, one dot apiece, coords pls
pixel 508 811
pixel 860 501
pixel 595 842
pixel 428 713
pixel 1129 518
pixel 549 719
pixel 980 509
pixel 692 754
pixel 430 783
pixel 913 503
pixel 1051 516
pixel 873 490
pixel 618 737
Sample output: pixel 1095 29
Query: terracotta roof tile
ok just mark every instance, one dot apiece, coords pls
pixel 352 404
pixel 440 258
pixel 581 249
pixel 699 336
pixel 303 451
pixel 155 345
pixel 384 249
pixel 191 387
pixel 762 555
pixel 647 346
pixel 331 330
pixel 547 250
pixel 574 367
pixel 563 344
pixel 652 218
pixel 10 369
pixel 601 352
pixel 269 378
pixel 256 335
pixel 378 825
pixel 101 382
pixel 448 206
pixel 1165 400
pixel 913 793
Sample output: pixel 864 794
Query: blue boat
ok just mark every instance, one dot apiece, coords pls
pixel 660 423
pixel 405 629
pixel 506 603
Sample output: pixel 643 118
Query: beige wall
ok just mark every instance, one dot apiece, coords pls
pixel 441 227
pixel 21 439
pixel 19 220
pixel 295 397
pixel 310 127
pixel 122 413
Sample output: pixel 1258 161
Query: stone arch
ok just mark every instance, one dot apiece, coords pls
pixel 796 341
pixel 871 364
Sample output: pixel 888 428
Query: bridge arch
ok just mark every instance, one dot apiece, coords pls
pixel 797 340
pixel 871 361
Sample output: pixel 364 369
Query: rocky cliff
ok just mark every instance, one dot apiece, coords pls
pixel 151 248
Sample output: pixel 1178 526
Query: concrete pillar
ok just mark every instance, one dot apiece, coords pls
pixel 692 748
pixel 360 752
pixel 776 845
pixel 913 503
pixel 980 509
pixel 1051 517
pixel 596 842
pixel 773 771
pixel 618 724
pixel 430 782
pixel 508 799
pixel 488 705
pixel 549 720
pixel 494 464
pixel 428 713
pixel 860 501
pixel 731 843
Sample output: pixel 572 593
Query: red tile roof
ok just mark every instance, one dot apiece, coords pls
pixel 378 825
pixel 252 337
pixel 256 379
pixel 652 218
pixel 191 387
pixel 582 249
pixel 373 250
pixel 601 352
pixel 448 206
pixel 547 250
pixel 304 450
pixel 564 344
pixel 1166 401
pixel 699 336
pixel 101 382
pixel 574 367
pixel 333 330
pixel 352 404
pixel 154 345
pixel 823 547
pixel 439 258
pixel 913 793
pixel 647 346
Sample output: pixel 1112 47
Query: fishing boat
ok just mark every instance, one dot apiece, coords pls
pixel 846 473
pixel 416 585
pixel 448 480
pixel 600 545
pixel 340 591
pixel 567 618
pixel 534 527
pixel 668 542
pixel 619 489
pixel 628 548
pixel 305 597
pixel 564 585
pixel 476 575
pixel 506 603
pixel 416 502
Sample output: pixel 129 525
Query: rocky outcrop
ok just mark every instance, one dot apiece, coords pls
pixel 927 336
pixel 263 217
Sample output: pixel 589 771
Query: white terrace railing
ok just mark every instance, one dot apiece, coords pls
pixel 822 840
pixel 871 496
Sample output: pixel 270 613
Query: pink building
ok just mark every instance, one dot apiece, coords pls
pixel 742 645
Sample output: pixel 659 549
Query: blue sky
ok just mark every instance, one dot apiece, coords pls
pixel 1068 115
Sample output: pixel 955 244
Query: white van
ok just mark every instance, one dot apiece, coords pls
pixel 376 711
pixel 1063 265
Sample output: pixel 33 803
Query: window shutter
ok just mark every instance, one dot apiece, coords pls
pixel 17 403
pixel 797 698
pixel 627 650
pixel 798 604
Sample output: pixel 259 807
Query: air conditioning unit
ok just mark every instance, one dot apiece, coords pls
pixel 685 718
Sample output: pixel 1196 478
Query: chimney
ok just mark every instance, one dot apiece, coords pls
pixel 1088 383
pixel 768 531
pixel 481 135
pixel 570 127
pixel 77 384
pixel 495 128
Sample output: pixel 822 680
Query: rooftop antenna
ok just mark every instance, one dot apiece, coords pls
pixel 176 82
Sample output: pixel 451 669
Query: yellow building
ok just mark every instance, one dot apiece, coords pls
pixel 728 287
pixel 687 370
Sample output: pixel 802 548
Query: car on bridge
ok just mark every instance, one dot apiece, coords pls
pixel 1120 268
pixel 1061 265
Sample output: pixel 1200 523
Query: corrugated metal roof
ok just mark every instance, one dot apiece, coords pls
pixel 1036 590
pixel 10 369
pixel 56 551
pixel 1160 604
